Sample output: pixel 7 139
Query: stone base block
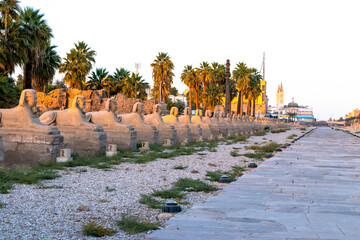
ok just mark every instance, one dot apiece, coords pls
pixel 166 133
pixel 196 132
pixel 63 159
pixel 150 135
pixel 125 139
pixel 83 140
pixel 26 147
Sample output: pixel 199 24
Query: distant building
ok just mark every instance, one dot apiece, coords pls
pixel 354 113
pixel 280 97
pixel 180 97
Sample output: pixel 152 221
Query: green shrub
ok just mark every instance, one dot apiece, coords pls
pixel 95 230
pixel 151 202
pixel 191 185
pixel 133 225
pixel 234 154
pixel 168 193
pixel 180 167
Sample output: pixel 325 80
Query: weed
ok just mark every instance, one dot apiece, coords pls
pixel 266 128
pixel 151 202
pixel 257 156
pixel 168 193
pixel 202 154
pixel 194 171
pixel 261 151
pixel 234 153
pixel 133 225
pixel 41 186
pixel 260 133
pixel 191 185
pixel 236 148
pixel 180 167
pixel 2 205
pixel 292 136
pixel 95 230
pixel 109 189
pixel 279 130
pixel 303 129
pixel 212 164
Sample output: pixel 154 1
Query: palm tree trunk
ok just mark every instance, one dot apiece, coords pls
pixel 197 99
pixel 238 104
pixel 253 108
pixel 248 108
pixel 5 23
pixel 190 98
pixel 28 73
pixel 160 92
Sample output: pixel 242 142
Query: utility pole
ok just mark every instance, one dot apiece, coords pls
pixel 227 87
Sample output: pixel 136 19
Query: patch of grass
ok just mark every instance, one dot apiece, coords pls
pixel 202 154
pixel 191 185
pixel 168 193
pixel 292 136
pixel 234 154
pixel 180 167
pixel 212 164
pixel 133 225
pixel 95 230
pixel 279 130
pixel 194 171
pixel 233 174
pixel 303 129
pixel 258 156
pixel 261 151
pixel 266 128
pixel 260 133
pixel 109 189
pixel 2 205
pixel 151 202
pixel 41 186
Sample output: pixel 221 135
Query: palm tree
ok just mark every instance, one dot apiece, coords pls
pixel 241 75
pixel 188 76
pixel 9 10
pixel 213 96
pixel 77 65
pixel 119 78
pixel 254 90
pixel 218 73
pixel 97 79
pixel 47 64
pixel 39 33
pixel 205 74
pixel 163 75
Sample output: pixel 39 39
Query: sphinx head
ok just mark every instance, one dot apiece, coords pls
pixel 208 113
pixel 137 108
pixel 28 98
pixel 157 109
pixel 228 115
pixel 187 111
pixel 222 114
pixel 174 111
pixel 111 105
pixel 216 114
pixel 79 103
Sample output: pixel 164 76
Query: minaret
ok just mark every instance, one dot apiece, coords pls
pixel 280 97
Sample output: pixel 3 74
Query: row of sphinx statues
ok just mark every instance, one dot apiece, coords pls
pixel 28 139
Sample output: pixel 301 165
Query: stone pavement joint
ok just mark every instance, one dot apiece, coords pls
pixel 309 191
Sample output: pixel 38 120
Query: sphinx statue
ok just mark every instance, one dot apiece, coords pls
pixel 213 123
pixel 124 136
pixel 165 130
pixel 144 132
pixel 223 127
pixel 183 133
pixel 228 120
pixel 207 131
pixel 236 125
pixel 195 129
pixel 26 140
pixel 81 136
pixel 222 121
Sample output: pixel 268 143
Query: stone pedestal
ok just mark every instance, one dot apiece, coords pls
pixel 195 129
pixel 233 129
pixel 166 131
pixel 207 132
pixel 183 133
pixel 30 146
pixel 214 126
pixel 223 128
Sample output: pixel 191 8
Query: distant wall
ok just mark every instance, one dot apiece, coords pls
pixel 60 99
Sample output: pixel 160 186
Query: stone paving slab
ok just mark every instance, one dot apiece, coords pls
pixel 309 191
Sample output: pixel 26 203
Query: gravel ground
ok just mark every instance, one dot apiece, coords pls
pixel 33 213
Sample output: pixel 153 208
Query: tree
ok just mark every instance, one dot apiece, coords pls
pixel 241 75
pixel 174 91
pixel 254 90
pixel 163 76
pixel 205 75
pixel 188 77
pixel 77 65
pixel 97 79
pixel 9 10
pixel 38 35
pixel 9 94
pixel 213 96
pixel 47 64
pixel 135 87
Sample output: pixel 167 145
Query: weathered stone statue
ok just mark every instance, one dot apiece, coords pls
pixel 183 133
pixel 26 140
pixel 165 130
pixel 124 136
pixel 228 120
pixel 235 124
pixel 144 132
pixel 213 123
pixel 196 131
pixel 81 136
pixel 229 127
pixel 1 153
pixel 207 131
pixel 223 127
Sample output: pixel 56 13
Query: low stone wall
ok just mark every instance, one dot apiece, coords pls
pixel 60 99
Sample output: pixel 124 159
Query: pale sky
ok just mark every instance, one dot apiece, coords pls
pixel 312 47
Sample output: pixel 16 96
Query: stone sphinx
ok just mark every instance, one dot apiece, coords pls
pixel 213 123
pixel 81 136
pixel 230 130
pixel 207 131
pixel 183 133
pixel 235 123
pixel 144 132
pixel 228 120
pixel 165 130
pixel 124 136
pixel 195 129
pixel 222 127
pixel 26 140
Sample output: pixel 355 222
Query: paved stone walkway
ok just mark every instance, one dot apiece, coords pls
pixel 309 191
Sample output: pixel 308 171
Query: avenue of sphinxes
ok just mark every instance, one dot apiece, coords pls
pixel 26 139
